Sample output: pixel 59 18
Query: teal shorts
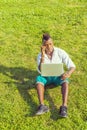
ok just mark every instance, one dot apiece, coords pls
pixel 50 80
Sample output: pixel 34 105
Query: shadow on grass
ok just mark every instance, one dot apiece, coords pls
pixel 24 80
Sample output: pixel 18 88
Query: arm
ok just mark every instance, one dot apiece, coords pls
pixel 69 63
pixel 42 56
pixel 68 73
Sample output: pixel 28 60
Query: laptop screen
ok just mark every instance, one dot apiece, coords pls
pixel 52 69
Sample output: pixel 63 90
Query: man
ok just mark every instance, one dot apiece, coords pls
pixel 51 54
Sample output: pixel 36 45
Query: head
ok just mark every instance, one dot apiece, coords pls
pixel 47 42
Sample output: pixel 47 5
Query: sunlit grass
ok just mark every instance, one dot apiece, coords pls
pixel 22 24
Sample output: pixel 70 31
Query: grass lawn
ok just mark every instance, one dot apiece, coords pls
pixel 22 23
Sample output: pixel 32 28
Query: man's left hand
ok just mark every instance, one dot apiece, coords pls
pixel 65 75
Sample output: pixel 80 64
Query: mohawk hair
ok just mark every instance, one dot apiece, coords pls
pixel 46 37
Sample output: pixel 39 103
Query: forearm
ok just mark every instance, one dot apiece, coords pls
pixel 68 73
pixel 42 56
pixel 71 70
pixel 41 61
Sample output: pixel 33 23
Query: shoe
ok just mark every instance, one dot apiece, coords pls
pixel 63 111
pixel 42 109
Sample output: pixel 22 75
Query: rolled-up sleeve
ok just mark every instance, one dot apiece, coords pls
pixel 67 60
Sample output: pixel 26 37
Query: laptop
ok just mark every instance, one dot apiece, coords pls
pixel 52 69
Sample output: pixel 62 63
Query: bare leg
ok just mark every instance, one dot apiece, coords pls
pixel 64 90
pixel 40 91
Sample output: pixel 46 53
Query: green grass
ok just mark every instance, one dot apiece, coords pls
pixel 22 23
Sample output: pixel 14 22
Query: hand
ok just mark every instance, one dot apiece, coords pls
pixel 43 50
pixel 65 75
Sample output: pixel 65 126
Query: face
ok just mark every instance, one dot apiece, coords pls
pixel 49 45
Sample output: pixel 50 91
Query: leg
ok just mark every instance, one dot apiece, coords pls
pixel 63 108
pixel 40 86
pixel 40 92
pixel 42 108
pixel 64 90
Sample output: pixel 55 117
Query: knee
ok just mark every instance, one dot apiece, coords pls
pixel 39 85
pixel 65 84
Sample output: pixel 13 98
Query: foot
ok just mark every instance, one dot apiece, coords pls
pixel 63 111
pixel 42 109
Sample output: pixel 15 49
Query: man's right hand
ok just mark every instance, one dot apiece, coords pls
pixel 42 53
pixel 43 50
